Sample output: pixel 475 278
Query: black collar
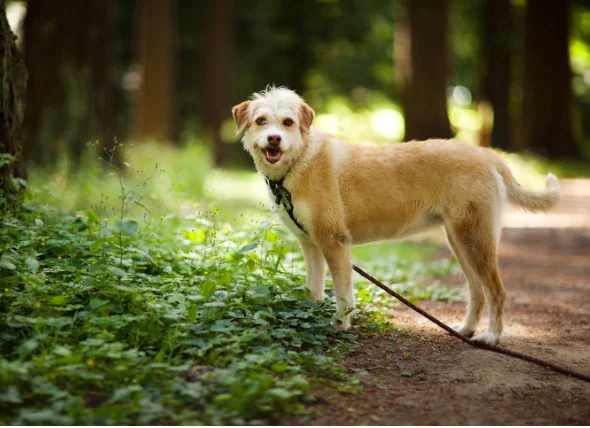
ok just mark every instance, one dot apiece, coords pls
pixel 283 197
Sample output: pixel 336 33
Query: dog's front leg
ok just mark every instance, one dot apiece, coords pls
pixel 338 255
pixel 315 267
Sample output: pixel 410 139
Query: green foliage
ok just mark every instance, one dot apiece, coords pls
pixel 196 322
pixel 315 47
pixel 159 178
pixel 197 325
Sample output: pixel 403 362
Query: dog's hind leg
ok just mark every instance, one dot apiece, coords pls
pixel 315 266
pixel 476 292
pixel 496 296
pixel 475 235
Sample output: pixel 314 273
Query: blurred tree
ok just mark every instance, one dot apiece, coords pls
pixel 216 79
pixel 299 27
pixel 13 81
pixel 70 50
pixel 547 103
pixel 324 48
pixel 421 58
pixel 495 84
pixel 156 50
pixel 189 69
pixel 466 22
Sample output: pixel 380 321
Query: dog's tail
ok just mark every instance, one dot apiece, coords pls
pixel 531 200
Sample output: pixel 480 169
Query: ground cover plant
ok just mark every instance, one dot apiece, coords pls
pixel 115 315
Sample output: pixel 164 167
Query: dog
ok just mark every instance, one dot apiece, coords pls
pixel 332 195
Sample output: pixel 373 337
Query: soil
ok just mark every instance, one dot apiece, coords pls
pixel 421 375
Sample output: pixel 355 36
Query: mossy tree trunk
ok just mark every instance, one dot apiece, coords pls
pixel 13 79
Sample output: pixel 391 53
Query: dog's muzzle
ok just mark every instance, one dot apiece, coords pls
pixel 272 154
pixel 273 151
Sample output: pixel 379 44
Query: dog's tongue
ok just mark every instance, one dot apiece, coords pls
pixel 273 155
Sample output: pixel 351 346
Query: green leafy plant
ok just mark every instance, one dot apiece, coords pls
pixel 85 340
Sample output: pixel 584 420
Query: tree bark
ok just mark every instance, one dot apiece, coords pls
pixel 156 37
pixel 495 87
pixel 216 104
pixel 43 96
pixel 13 79
pixel 71 50
pixel 422 62
pixel 547 103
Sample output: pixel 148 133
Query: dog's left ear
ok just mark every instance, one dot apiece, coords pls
pixel 306 117
pixel 241 116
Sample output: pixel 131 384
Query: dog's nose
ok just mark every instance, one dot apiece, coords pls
pixel 274 140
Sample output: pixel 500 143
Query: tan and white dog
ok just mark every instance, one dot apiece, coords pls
pixel 342 194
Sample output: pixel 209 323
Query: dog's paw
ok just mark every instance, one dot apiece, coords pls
pixel 343 324
pixel 315 297
pixel 487 338
pixel 463 330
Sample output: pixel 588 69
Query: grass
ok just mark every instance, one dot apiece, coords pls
pixel 170 295
pixel 165 179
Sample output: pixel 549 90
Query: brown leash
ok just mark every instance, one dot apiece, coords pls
pixel 494 348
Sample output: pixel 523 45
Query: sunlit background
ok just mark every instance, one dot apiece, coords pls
pixel 158 79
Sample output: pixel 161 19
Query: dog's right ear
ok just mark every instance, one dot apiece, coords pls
pixel 307 115
pixel 241 116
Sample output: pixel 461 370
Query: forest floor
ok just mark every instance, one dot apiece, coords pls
pixel 421 375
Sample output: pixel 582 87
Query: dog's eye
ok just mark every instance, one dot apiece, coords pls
pixel 260 121
pixel 287 122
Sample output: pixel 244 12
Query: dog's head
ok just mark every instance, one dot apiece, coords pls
pixel 275 124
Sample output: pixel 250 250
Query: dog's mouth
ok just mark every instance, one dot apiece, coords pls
pixel 272 154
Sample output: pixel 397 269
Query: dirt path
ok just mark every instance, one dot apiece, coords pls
pixel 421 375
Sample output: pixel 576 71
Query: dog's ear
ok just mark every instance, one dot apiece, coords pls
pixel 306 116
pixel 241 116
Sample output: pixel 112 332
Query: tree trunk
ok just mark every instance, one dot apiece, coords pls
pixel 13 80
pixel 216 104
pixel 547 103
pixel 70 46
pixel 495 87
pixel 43 97
pixel 156 36
pixel 422 68
pixel 300 49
